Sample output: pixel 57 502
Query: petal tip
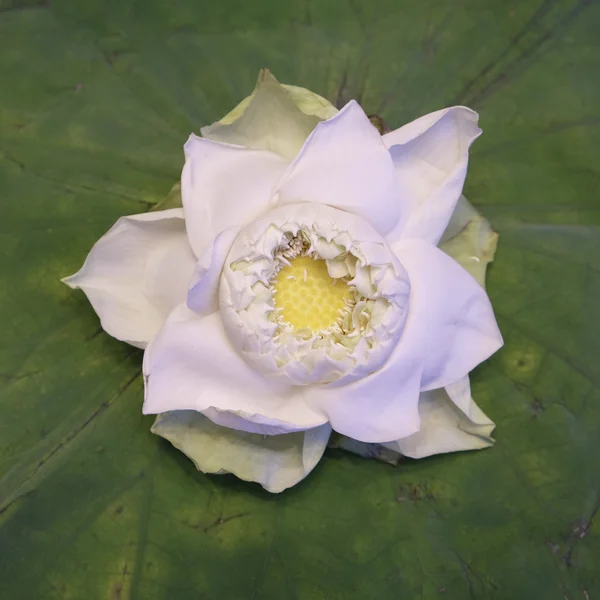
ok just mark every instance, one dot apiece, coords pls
pixel 190 143
pixel 71 281
pixel 266 76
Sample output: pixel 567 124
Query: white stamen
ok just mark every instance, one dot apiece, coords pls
pixel 284 260
pixel 305 275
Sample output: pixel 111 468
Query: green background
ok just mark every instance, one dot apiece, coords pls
pixel 97 98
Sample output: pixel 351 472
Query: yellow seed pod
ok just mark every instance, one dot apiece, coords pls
pixel 308 296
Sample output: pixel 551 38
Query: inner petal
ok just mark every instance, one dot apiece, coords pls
pixel 307 297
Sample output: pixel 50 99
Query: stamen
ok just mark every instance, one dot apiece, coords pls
pixel 284 261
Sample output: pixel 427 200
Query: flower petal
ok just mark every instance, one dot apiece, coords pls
pixel 451 325
pixel 308 102
pixel 470 240
pixel 203 295
pixel 277 462
pixel 450 422
pixel 190 365
pixel 345 164
pixel 430 157
pixel 459 393
pixel 224 186
pixel 447 425
pixel 378 408
pixel 271 121
pixel 137 273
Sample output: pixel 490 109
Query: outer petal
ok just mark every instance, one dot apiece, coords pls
pixel 137 273
pixel 345 164
pixel 470 240
pixel 270 121
pixel 190 365
pixel 277 462
pixel 203 295
pixel 451 325
pixel 308 102
pixel 450 421
pixel 224 186
pixel 431 156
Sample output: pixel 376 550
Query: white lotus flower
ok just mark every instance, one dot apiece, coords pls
pixel 300 289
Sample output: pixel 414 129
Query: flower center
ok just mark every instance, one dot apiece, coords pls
pixel 313 295
pixel 307 297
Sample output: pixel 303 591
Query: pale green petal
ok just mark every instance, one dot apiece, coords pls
pixel 276 462
pixel 308 102
pixel 274 117
pixel 445 427
pixel 470 240
pixel 171 200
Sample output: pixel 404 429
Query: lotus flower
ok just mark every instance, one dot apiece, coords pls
pixel 300 289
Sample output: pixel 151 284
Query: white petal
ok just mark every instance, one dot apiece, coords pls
pixel 203 295
pixel 277 462
pixel 451 325
pixel 191 365
pixel 224 186
pixel 345 164
pixel 378 408
pixel 430 157
pixel 271 121
pixel 137 273
pixel 470 240
pixel 447 426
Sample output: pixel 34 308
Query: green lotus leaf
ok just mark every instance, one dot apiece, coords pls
pixel 97 101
